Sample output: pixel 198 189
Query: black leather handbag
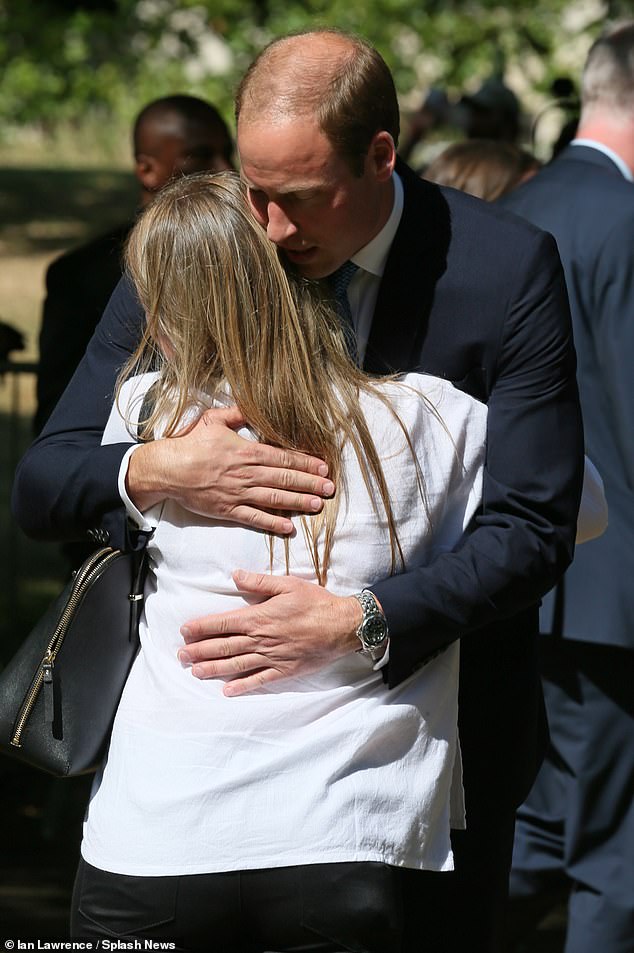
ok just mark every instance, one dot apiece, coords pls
pixel 59 693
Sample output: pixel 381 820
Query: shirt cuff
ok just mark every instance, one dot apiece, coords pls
pixel 135 515
pixel 384 660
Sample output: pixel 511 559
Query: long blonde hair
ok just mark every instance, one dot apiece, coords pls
pixel 223 313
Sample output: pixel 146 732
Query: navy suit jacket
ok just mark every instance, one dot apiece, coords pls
pixel 78 287
pixel 585 202
pixel 472 295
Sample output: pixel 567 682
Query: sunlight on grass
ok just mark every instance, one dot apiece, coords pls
pixel 94 144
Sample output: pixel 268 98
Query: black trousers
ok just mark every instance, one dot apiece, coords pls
pixel 321 908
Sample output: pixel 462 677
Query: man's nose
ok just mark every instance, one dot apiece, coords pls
pixel 279 226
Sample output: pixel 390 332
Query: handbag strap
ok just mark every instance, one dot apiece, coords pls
pixel 140 557
pixel 139 560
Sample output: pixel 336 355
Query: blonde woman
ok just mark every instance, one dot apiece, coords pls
pixel 305 815
pixel 486 168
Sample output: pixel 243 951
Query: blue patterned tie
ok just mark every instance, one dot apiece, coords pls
pixel 339 281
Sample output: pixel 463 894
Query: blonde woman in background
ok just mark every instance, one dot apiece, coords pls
pixel 486 168
pixel 304 816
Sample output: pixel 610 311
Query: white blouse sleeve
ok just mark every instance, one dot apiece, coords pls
pixel 120 428
pixel 450 439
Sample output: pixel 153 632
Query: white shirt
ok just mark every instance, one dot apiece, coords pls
pixel 325 768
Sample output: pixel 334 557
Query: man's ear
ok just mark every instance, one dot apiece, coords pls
pixel 146 169
pixel 382 155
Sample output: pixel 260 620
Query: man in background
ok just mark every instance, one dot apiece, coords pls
pixel 175 135
pixel 576 829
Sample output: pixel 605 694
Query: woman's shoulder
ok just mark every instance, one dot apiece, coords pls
pixel 125 411
pixel 441 424
pixel 424 395
pixel 135 388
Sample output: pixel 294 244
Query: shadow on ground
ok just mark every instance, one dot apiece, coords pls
pixel 43 818
pixel 40 207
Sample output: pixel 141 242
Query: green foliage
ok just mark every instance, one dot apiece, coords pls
pixel 62 63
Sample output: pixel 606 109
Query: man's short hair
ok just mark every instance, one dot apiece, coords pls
pixel 352 102
pixel 192 114
pixel 608 76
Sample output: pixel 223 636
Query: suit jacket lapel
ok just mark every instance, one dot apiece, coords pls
pixel 416 261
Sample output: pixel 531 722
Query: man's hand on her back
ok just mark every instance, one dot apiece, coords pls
pixel 299 628
pixel 212 471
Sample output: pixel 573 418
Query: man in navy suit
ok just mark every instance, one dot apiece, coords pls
pixel 446 284
pixel 576 828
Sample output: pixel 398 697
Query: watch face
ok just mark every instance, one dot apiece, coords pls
pixel 374 631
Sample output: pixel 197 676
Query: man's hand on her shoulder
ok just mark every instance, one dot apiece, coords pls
pixel 212 471
pixel 299 628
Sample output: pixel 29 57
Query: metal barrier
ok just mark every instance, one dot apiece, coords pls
pixel 15 370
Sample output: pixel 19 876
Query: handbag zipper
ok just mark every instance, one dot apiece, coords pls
pixel 44 673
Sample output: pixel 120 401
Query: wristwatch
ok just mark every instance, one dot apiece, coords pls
pixel 373 632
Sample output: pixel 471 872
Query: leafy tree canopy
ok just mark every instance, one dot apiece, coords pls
pixel 61 61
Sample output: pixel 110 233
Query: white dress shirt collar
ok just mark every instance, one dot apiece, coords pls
pixel 373 256
pixel 620 163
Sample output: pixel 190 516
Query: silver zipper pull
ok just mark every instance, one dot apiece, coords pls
pixel 47 685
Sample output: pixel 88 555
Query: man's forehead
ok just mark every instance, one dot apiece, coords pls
pixel 280 180
pixel 268 128
pixel 285 186
pixel 294 149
